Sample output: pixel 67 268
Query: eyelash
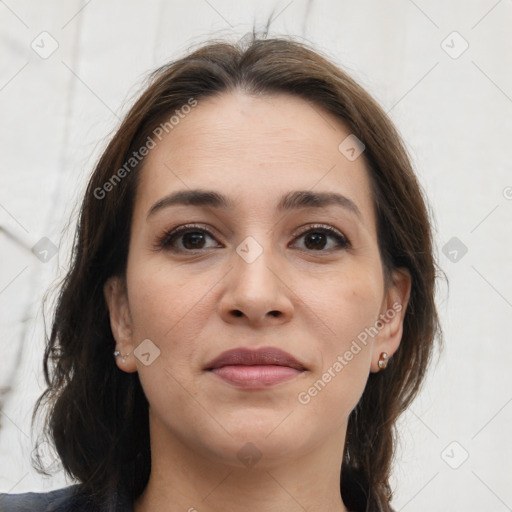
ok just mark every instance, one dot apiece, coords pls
pixel 168 237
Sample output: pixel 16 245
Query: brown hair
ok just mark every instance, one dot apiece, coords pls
pixel 97 415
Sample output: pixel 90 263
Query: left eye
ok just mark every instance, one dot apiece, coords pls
pixel 317 239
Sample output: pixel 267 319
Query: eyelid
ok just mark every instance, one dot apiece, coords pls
pixel 327 227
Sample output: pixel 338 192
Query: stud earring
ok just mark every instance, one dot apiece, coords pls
pixel 117 354
pixel 383 361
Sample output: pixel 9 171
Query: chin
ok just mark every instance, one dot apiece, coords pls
pixel 253 451
pixel 268 438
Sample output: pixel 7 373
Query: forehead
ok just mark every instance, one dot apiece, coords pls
pixel 254 148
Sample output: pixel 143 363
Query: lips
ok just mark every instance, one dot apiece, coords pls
pixel 255 369
pixel 266 356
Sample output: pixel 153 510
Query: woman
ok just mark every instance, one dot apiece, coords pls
pixel 250 305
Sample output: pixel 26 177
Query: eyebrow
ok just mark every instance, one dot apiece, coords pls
pixel 290 201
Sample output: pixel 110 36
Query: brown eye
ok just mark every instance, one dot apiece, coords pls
pixel 193 240
pixel 187 238
pixel 315 240
pixel 323 238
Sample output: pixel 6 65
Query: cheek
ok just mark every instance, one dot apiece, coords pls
pixel 161 299
pixel 347 302
pixel 169 311
pixel 349 308
pixel 172 308
pixel 337 383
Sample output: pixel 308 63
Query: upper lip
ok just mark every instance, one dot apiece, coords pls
pixel 255 357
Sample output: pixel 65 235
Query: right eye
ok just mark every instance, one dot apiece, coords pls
pixel 185 239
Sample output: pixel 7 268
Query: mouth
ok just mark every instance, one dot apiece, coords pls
pixel 255 369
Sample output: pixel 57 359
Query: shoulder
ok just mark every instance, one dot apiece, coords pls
pixel 39 501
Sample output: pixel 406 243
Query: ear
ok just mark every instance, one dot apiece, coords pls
pixel 392 314
pixel 116 297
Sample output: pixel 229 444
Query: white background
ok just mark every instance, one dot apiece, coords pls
pixel 454 113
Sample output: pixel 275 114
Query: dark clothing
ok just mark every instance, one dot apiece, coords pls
pixel 67 499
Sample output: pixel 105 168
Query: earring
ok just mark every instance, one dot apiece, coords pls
pixel 383 361
pixel 117 354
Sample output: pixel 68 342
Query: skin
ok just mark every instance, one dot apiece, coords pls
pixel 195 305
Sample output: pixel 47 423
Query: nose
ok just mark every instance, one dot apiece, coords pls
pixel 256 293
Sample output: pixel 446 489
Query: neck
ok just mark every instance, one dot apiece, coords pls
pixel 185 480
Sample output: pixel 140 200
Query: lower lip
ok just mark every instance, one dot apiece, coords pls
pixel 255 377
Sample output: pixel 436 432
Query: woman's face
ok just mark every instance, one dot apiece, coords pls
pixel 265 267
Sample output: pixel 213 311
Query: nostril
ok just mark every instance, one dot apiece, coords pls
pixel 238 313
